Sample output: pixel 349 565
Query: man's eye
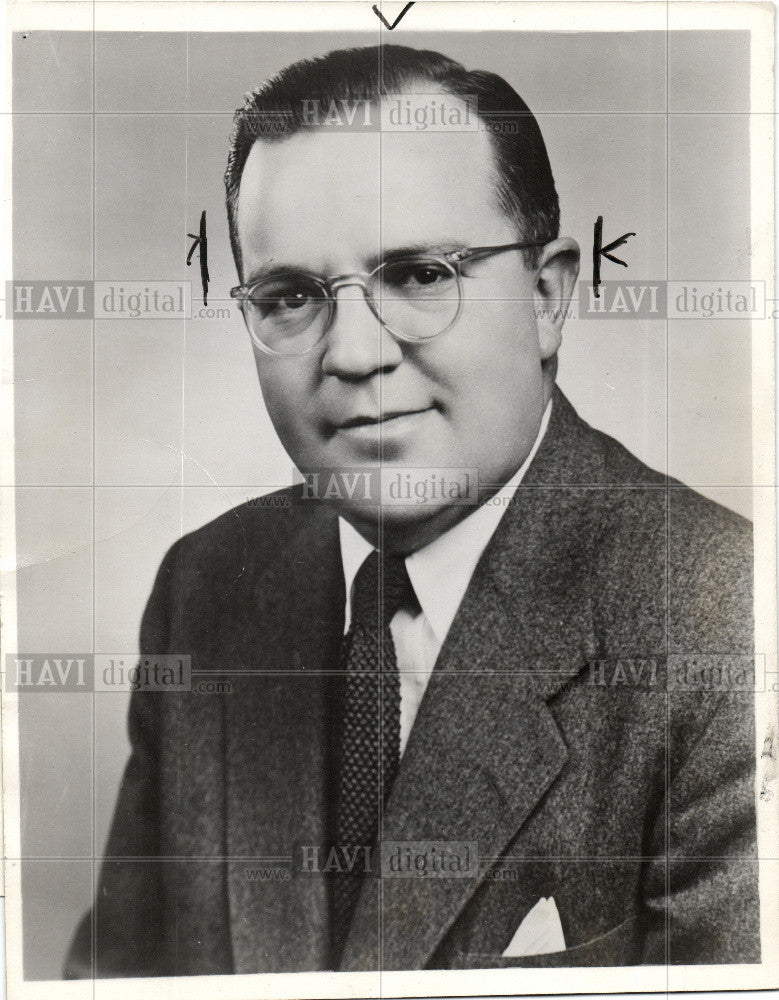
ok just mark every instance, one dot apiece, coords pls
pixel 427 275
pixel 411 275
pixel 279 299
pixel 291 300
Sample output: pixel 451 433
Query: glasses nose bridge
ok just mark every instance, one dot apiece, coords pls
pixel 358 280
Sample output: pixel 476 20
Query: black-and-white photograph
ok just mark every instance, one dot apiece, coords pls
pixel 389 500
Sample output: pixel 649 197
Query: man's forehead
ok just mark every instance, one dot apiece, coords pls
pixel 326 190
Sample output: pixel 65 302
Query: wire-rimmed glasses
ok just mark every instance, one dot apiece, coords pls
pixel 415 296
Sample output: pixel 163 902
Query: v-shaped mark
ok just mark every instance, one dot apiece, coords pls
pixel 394 24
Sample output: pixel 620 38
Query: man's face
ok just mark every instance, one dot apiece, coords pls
pixel 330 203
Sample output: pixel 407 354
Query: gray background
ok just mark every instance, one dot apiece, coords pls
pixel 132 432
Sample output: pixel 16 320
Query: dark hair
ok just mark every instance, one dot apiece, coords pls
pixel 525 186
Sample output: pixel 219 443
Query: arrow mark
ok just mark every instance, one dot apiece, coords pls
pixel 599 251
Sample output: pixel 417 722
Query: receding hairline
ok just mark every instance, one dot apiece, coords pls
pixel 525 188
pixel 313 130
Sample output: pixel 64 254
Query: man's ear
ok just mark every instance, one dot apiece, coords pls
pixel 556 273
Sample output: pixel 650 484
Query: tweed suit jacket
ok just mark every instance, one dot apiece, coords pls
pixel 566 730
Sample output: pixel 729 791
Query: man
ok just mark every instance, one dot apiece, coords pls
pixel 495 684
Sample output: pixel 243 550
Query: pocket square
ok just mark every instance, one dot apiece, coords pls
pixel 539 933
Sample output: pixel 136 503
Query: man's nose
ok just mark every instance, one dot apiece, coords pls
pixel 357 345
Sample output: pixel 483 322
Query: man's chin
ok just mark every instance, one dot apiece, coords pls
pixel 403 526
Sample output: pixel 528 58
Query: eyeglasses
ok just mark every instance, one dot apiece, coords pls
pixel 414 296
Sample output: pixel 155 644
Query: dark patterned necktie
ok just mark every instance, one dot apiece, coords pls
pixel 370 733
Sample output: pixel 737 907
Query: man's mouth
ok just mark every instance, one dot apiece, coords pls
pixel 383 420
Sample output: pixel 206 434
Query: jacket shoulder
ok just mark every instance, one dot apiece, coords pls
pixel 663 546
pixel 698 528
pixel 253 533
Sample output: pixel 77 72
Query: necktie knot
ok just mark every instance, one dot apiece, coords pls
pixel 382 587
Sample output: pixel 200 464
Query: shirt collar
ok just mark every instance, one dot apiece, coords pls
pixel 441 571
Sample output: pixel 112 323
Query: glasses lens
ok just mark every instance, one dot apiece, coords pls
pixel 287 313
pixel 417 297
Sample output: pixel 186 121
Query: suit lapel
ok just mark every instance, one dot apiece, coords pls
pixel 277 747
pixel 485 748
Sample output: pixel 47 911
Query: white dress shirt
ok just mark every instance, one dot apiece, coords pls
pixel 440 573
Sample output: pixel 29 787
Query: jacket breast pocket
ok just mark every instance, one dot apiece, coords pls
pixel 618 946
